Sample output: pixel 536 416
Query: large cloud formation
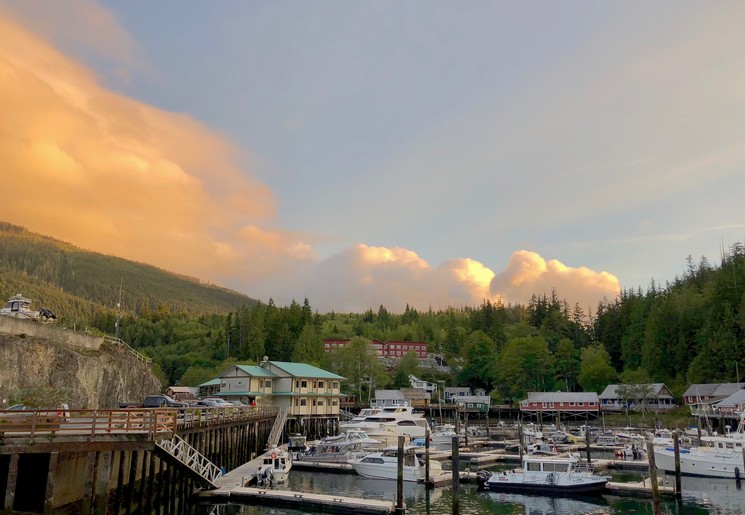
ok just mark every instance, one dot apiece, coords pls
pixel 115 175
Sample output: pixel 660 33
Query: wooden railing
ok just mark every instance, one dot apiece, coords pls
pixel 150 423
pixel 90 423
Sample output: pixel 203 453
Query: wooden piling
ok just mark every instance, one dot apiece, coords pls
pixel 400 477
pixel 520 438
pixel 653 479
pixel 10 485
pixel 103 478
pixel 426 455
pixel 676 448
pixel 456 473
pixel 51 478
pixel 587 443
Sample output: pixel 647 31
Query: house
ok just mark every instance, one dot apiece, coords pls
pixel 560 402
pixel 428 387
pixel 732 405
pixel 654 397
pixel 478 403
pixel 300 388
pixel 183 393
pixel 384 398
pixel 451 392
pixel 416 397
pixel 702 394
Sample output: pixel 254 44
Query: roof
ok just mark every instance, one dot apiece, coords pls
pixel 212 382
pixel 389 394
pixel 304 370
pixel 181 389
pixel 713 389
pixel 256 371
pixel 657 390
pixel 733 401
pixel 483 399
pixel 562 397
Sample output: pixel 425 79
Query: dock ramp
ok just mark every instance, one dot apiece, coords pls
pixel 180 454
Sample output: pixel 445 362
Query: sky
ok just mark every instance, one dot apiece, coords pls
pixel 359 154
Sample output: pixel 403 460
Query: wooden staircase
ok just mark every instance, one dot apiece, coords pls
pixel 277 428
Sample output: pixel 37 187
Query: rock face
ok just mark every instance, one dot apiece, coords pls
pixel 87 378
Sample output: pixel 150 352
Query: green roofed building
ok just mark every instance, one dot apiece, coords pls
pixel 304 390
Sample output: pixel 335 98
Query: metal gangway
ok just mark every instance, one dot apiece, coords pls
pixel 178 452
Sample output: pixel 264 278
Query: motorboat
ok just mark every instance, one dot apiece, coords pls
pixel 19 307
pixel 542 449
pixel 357 421
pixel 353 444
pixel 546 475
pixel 275 467
pixel 392 422
pixel 718 456
pixel 441 437
pixel 384 465
pixel 632 451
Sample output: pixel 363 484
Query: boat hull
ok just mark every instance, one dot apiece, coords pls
pixel 385 471
pixel 517 483
pixel 702 462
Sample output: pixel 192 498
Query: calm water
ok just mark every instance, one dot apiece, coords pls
pixel 701 496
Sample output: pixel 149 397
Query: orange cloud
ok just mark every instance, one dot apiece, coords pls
pixel 118 176
pixel 527 273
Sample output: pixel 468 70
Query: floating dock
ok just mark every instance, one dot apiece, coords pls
pixel 300 500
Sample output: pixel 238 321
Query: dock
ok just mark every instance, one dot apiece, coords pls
pixel 640 489
pixel 300 500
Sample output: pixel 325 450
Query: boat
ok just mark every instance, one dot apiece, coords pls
pixel 275 467
pixel 546 476
pixel 392 422
pixel 384 465
pixel 441 437
pixel 542 449
pixel 718 456
pixel 353 444
pixel 357 421
pixel 632 451
pixel 19 307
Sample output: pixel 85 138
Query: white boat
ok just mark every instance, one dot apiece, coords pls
pixel 275 467
pixel 545 476
pixel 353 444
pixel 384 465
pixel 718 456
pixel 542 449
pixel 441 437
pixel 358 421
pixel 19 306
pixel 392 422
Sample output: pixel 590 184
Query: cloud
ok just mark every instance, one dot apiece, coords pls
pixel 363 277
pixel 527 273
pixel 114 175
pixel 121 177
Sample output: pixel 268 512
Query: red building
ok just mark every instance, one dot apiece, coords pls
pixel 392 349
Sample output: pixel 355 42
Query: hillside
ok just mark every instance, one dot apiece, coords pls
pixel 79 284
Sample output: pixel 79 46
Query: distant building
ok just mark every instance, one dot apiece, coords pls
pixel 477 403
pixel 732 405
pixel 428 387
pixel 392 349
pixel 384 398
pixel 711 393
pixel 209 388
pixel 560 402
pixel 658 398
pixel 452 392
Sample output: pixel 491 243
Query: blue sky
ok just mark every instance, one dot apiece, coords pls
pixel 584 142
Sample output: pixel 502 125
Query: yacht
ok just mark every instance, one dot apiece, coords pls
pixel 19 306
pixel 546 476
pixel 384 465
pixel 275 467
pixel 353 444
pixel 718 456
pixel 392 422
pixel 357 421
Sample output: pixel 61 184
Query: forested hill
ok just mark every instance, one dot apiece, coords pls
pixel 79 284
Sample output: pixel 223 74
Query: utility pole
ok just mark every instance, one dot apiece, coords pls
pixel 119 309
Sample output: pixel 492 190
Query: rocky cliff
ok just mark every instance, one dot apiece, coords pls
pixel 86 378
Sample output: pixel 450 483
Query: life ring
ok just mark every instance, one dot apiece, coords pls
pixel 274 455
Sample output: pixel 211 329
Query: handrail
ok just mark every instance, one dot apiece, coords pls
pixel 121 343
pixel 189 456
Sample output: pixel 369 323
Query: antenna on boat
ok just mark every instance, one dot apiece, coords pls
pixel 119 308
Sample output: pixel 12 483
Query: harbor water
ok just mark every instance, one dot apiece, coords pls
pixel 700 496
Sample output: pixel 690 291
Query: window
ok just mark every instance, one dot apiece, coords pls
pixel 303 384
pixel 320 402
pixel 297 402
pixel 303 402
pixel 320 385
pixel 571 403
pixel 336 384
pixel 297 383
pixel 550 404
pixel 580 404
pixel 268 383
pixel 334 403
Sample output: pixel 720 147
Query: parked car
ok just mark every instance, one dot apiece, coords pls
pixel 209 403
pixel 222 403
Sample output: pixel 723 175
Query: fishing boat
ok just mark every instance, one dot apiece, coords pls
pixel 384 465
pixel 19 307
pixel 718 456
pixel 275 467
pixel 546 475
